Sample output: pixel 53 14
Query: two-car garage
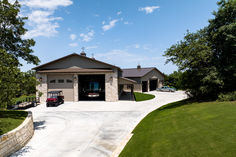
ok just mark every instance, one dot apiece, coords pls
pixel 90 87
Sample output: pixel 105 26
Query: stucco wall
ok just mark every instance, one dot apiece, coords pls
pixel 42 86
pixel 17 138
pixel 111 86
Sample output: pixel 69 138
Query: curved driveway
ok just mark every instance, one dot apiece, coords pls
pixel 88 129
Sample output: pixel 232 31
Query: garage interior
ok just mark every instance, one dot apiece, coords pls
pixel 153 85
pixel 91 87
pixel 144 86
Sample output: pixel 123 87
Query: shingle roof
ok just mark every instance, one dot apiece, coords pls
pixel 135 72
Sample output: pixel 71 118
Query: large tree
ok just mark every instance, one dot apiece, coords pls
pixel 11 32
pixel 222 37
pixel 12 47
pixel 208 57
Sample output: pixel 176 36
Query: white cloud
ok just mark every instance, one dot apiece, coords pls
pixel 111 24
pixel 119 12
pixel 127 23
pixel 73 36
pixel 91 47
pixel 42 23
pixel 46 4
pixel 73 44
pixel 88 36
pixel 149 9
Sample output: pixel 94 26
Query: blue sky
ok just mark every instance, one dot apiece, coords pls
pixel 119 32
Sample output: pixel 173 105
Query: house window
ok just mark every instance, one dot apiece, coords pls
pixel 68 81
pixel 60 81
pixel 52 81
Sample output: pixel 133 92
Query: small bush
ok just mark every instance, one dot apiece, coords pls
pixel 227 96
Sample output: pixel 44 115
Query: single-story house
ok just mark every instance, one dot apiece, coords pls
pixel 148 79
pixel 76 75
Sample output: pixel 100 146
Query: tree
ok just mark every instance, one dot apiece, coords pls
pixel 28 83
pixel 174 80
pixel 11 32
pixel 9 82
pixel 208 57
pixel 222 34
pixel 12 47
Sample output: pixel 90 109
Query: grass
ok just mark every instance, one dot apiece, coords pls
pixel 185 129
pixel 9 120
pixel 142 96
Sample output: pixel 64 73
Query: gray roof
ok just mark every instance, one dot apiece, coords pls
pixel 135 72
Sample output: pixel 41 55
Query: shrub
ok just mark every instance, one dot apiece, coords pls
pixel 231 96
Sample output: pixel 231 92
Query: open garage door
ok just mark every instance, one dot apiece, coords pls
pixel 63 83
pixel 153 85
pixel 144 86
pixel 92 87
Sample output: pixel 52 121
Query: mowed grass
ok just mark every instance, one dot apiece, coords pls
pixel 142 96
pixel 9 120
pixel 185 129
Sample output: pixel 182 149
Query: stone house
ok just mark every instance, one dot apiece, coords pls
pixel 79 76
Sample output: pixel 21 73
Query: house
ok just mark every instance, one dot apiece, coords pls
pixel 148 79
pixel 78 76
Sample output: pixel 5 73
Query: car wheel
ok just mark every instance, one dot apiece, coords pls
pixel 47 105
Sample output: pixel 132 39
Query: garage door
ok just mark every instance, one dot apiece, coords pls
pixel 153 85
pixel 63 83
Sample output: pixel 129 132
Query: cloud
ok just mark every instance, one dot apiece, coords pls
pixel 73 44
pixel 111 24
pixel 91 47
pixel 46 4
pixel 119 12
pixel 42 23
pixel 88 36
pixel 149 9
pixel 72 36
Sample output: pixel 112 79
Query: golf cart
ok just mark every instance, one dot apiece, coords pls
pixel 55 98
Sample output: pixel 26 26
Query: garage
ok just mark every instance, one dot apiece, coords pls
pixel 63 83
pixel 153 85
pixel 91 87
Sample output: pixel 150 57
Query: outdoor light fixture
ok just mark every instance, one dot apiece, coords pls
pixel 40 79
pixel 75 78
pixel 111 78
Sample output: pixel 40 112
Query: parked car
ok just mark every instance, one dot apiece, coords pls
pixel 166 89
pixel 55 98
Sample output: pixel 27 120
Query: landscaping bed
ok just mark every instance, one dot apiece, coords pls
pixel 185 129
pixel 9 120
pixel 142 96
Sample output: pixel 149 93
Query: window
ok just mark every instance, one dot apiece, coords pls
pixel 52 81
pixel 60 81
pixel 68 81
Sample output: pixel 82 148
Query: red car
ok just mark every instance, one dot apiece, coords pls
pixel 55 98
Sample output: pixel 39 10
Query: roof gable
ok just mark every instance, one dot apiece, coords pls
pixel 75 61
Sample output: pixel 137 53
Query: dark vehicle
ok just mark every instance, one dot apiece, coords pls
pixel 55 98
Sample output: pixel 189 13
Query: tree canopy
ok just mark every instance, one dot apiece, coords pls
pixel 207 57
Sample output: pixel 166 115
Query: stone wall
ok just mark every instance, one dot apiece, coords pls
pixel 42 86
pixel 17 138
pixel 111 85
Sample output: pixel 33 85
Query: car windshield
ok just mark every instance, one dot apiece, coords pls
pixel 93 86
pixel 52 96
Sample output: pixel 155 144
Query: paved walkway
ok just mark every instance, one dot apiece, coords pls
pixel 88 129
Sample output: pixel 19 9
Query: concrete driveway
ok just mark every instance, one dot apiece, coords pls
pixel 88 129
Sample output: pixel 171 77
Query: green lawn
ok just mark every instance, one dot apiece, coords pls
pixel 185 129
pixel 142 96
pixel 10 120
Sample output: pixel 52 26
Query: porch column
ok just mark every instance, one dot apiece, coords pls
pixel 42 87
pixel 76 87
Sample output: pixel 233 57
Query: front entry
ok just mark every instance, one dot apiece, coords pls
pixel 92 87
pixel 144 86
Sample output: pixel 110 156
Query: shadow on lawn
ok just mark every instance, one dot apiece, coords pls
pixel 177 104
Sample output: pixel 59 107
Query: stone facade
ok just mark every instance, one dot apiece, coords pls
pixel 42 86
pixel 76 88
pixel 111 86
pixel 17 138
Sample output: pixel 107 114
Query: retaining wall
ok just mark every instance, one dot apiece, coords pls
pixel 17 138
